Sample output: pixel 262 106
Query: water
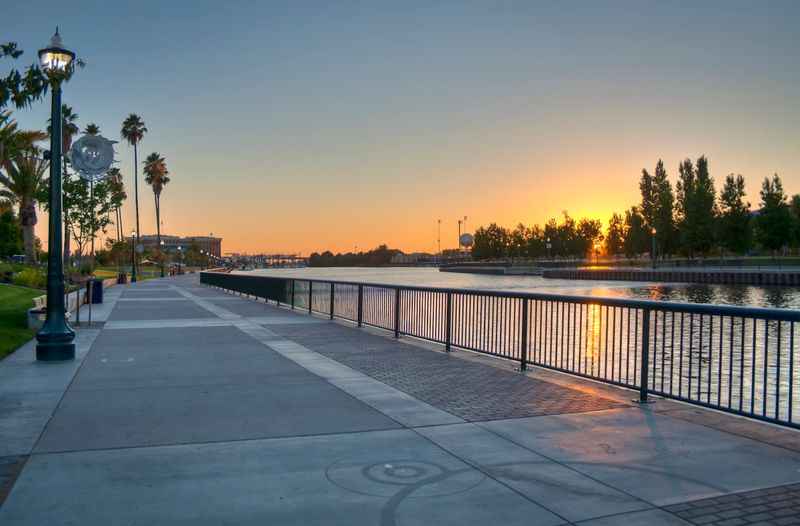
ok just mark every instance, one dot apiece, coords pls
pixel 744 295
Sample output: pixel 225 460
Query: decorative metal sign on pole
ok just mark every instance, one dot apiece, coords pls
pixel 92 156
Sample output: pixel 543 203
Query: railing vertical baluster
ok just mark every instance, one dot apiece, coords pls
pixel 360 308
pixel 331 309
pixel 293 282
pixel 448 322
pixel 523 361
pixel 310 296
pixel 778 373
pixel 645 356
pixel 397 312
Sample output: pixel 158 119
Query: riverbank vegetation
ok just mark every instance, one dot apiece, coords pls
pixel 377 257
pixel 690 219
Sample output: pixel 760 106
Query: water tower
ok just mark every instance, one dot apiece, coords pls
pixel 466 241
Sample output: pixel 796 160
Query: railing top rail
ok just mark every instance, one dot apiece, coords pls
pixel 689 308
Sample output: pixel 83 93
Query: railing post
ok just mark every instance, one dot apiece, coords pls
pixel 292 294
pixel 310 296
pixel 523 352
pixel 397 312
pixel 448 322
pixel 331 309
pixel 360 305
pixel 645 363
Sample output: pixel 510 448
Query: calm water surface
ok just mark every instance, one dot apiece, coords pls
pixel 782 297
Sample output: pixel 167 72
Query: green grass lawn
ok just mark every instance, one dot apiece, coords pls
pixel 14 304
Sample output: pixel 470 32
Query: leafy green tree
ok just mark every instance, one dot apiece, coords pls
pixel 89 213
pixel 92 129
pixel 774 220
pixel 664 221
pixel 20 88
pixel 637 237
pixel 615 235
pixel 794 206
pixel 491 242
pixel 537 246
pixel 567 241
pixel 696 205
pixel 589 233
pixel 24 87
pixel 657 206
pixel 10 231
pixel 734 216
pixel 519 241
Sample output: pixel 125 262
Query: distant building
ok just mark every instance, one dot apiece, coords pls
pixel 210 244
pixel 411 259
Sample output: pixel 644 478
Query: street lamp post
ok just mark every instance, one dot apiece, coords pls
pixel 180 259
pixel 653 249
pixel 161 254
pixel 133 256
pixel 549 246
pixel 55 340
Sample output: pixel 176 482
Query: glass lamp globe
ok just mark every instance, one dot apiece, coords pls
pixel 55 58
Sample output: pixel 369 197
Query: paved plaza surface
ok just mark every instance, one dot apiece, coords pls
pixel 188 405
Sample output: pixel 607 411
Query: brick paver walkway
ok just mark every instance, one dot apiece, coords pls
pixel 470 390
pixel 779 506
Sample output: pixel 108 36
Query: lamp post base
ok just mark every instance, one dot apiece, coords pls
pixel 55 351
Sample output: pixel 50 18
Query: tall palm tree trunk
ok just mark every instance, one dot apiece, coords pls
pixel 136 198
pixel 158 231
pixel 27 212
pixel 67 236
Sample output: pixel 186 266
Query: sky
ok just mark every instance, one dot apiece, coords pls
pixel 302 126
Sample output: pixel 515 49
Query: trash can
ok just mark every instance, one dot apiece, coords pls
pixel 97 290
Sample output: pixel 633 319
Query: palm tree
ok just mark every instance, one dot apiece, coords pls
pixel 92 129
pixel 156 175
pixel 21 174
pixel 13 140
pixel 23 181
pixel 133 130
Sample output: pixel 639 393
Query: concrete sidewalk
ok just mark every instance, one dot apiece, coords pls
pixel 187 405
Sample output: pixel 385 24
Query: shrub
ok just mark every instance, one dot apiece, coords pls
pixel 30 277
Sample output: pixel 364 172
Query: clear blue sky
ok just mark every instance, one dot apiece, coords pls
pixel 299 126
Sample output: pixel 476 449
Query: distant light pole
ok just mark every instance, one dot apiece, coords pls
pixel 653 249
pixel 55 340
pixel 439 236
pixel 161 253
pixel 180 259
pixel 549 246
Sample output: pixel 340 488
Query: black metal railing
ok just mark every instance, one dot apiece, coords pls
pixel 737 359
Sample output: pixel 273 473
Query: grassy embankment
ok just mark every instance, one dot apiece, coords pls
pixel 14 304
